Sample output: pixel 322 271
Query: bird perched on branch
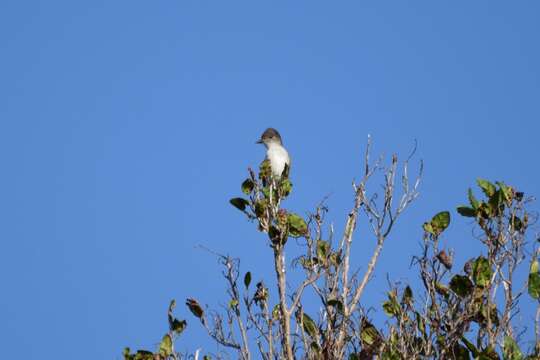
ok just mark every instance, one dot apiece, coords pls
pixel 276 154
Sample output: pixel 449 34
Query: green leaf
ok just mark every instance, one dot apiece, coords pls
pixel 420 323
pixel 336 303
pixel 274 234
pixel 233 304
pixel 369 334
pixel 175 325
pixel 265 170
pixel 534 280
pixel 309 326
pixel 323 249
pixel 496 202
pixel 286 187
pixel 335 258
pixel 438 223
pixel 511 349
pixel 143 355
pixel 485 210
pixel 391 306
pixel 488 354
pixel 487 187
pixel 239 203
pixel 127 353
pixel 297 225
pixel 428 228
pixel 481 272
pixel 466 211
pixel 170 315
pixel 516 223
pixel 506 191
pixel 165 348
pixel 472 200
pixel 461 285
pixel 308 263
pixel 470 346
pixel 460 352
pixel 488 312
pixel 247 186
pixel 178 326
pixel 407 297
pixel 390 354
pixel 266 192
pixel 276 312
pixel 260 207
pixel 314 347
pixel 247 279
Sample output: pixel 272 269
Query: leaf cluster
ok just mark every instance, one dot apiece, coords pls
pixel 457 313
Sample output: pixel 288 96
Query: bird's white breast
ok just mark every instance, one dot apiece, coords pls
pixel 278 157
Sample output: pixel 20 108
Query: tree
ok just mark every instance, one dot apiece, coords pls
pixel 457 314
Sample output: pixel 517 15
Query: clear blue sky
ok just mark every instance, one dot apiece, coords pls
pixel 125 127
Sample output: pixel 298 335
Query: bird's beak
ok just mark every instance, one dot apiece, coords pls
pixel 259 141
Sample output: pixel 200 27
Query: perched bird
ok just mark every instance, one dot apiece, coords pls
pixel 275 152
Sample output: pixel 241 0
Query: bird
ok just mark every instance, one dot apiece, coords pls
pixel 276 154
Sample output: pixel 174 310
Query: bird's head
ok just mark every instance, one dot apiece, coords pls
pixel 270 136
